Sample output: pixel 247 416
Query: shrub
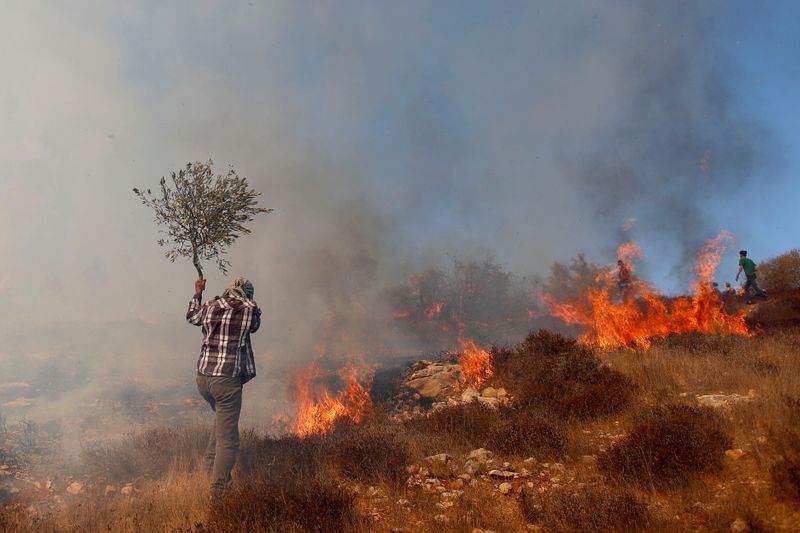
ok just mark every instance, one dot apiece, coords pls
pixel 521 433
pixel 548 370
pixel 591 509
pixel 149 453
pixel 786 478
pixel 509 430
pixel 781 273
pixel 373 452
pixel 667 447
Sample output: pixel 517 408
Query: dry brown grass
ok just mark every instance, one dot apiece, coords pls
pixel 353 480
pixel 591 509
pixel 668 447
pixel 147 454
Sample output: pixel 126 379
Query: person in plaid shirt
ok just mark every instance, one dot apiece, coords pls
pixel 226 363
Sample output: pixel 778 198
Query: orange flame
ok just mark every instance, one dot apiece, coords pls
pixel 644 314
pixel 434 310
pixel 319 409
pixel 475 363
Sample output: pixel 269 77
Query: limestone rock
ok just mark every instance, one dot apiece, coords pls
pixel 740 526
pixel 469 395
pixel 432 380
pixel 481 455
pixel 491 403
pixel 722 401
pixel 502 474
pixel 439 458
pixel 489 392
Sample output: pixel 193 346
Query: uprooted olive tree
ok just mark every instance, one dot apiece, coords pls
pixel 200 214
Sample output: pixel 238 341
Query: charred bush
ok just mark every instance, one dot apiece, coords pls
pixel 667 448
pixel 149 453
pixel 552 371
pixel 369 453
pixel 591 509
pixel 285 505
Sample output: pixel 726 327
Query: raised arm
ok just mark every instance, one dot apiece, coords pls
pixel 256 320
pixel 197 310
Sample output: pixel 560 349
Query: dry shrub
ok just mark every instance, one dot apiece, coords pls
pixel 550 371
pixel 506 430
pixel 781 273
pixel 785 472
pixel 520 433
pixel 371 453
pixel 148 454
pixel 668 447
pixel 590 509
pixel 300 505
pixel 778 312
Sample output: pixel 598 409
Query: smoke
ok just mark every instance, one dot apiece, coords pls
pixel 388 137
pixel 683 148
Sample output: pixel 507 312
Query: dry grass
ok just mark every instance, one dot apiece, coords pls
pixel 147 454
pixel 568 402
pixel 592 509
pixel 668 447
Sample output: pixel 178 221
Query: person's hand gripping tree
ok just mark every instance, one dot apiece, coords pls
pixel 201 215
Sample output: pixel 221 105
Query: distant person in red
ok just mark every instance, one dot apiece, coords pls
pixel 226 363
pixel 623 277
pixel 748 266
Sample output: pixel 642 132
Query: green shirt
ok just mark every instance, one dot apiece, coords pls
pixel 749 266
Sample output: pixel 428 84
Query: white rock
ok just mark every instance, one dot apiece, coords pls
pixel 75 488
pixel 441 519
pixel 480 454
pixel 471 466
pixel 501 393
pixel 127 490
pixel 489 392
pixel 469 395
pixel 110 489
pixel 740 526
pixel 722 401
pixel 505 488
pixel 439 458
pixel 502 474
pixel 491 403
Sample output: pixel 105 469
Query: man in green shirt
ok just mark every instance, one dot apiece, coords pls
pixel 749 267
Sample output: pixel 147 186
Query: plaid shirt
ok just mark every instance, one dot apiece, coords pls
pixel 227 324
